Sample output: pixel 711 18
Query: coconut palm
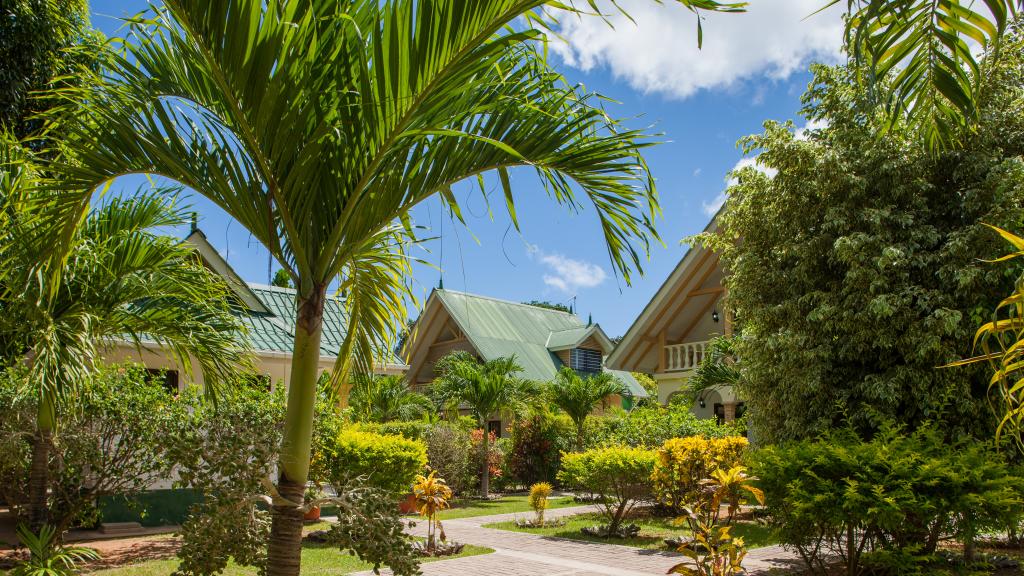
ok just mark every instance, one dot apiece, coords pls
pixel 119 280
pixel 578 396
pixel 386 398
pixel 487 389
pixel 317 123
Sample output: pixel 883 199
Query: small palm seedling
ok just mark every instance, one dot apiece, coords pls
pixel 432 495
pixel 714 550
pixel 48 558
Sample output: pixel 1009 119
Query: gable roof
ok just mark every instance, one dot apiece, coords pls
pixel 634 335
pixel 268 313
pixel 573 337
pixel 497 328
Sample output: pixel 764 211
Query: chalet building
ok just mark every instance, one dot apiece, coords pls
pixel 542 340
pixel 268 315
pixel 669 338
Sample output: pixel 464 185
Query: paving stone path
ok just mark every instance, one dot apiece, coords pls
pixel 522 554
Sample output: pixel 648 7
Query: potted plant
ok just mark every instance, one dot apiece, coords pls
pixel 313 493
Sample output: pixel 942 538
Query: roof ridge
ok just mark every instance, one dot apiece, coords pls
pixel 283 290
pixel 503 301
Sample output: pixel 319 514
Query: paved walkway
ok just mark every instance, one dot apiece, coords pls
pixel 522 554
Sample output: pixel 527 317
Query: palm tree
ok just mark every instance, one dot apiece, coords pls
pixel 923 48
pixel 578 396
pixel 487 389
pixel 317 124
pixel 718 367
pixel 386 398
pixel 119 279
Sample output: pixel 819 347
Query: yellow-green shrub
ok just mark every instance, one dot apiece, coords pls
pixel 684 462
pixel 621 475
pixel 388 462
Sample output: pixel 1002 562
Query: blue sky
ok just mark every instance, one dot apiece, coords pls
pixel 752 67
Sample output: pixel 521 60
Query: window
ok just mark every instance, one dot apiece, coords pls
pixel 585 360
pixel 168 378
pixel 494 427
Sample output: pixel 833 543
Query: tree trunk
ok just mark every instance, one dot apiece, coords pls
pixel 579 436
pixel 485 469
pixel 39 473
pixel 284 552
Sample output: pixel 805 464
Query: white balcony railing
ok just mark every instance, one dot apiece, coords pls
pixel 686 356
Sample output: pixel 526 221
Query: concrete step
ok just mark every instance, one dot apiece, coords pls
pixel 120 528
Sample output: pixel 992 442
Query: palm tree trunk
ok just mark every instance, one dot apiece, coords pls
pixel 39 473
pixel 485 469
pixel 579 435
pixel 284 552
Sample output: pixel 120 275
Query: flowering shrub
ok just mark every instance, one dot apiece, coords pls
pixel 494 455
pixel 536 448
pixel 684 462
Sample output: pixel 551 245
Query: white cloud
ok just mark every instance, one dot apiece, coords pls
pixel 567 274
pixel 801 133
pixel 710 208
pixel 697 172
pixel 659 53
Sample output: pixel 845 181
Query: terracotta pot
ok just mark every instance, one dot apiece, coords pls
pixel 407 506
pixel 313 514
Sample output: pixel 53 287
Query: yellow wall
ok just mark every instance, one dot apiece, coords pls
pixel 276 366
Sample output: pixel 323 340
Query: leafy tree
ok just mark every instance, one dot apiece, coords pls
pixel 318 152
pixel 386 398
pixel 549 305
pixel 488 389
pixel 282 279
pixel 859 269
pixel 578 396
pixel 42 42
pixel 118 279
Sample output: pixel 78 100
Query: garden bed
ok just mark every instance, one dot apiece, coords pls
pixel 653 531
pixel 468 508
pixel 154 556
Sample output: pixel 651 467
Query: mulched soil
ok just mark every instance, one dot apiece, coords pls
pixel 114 553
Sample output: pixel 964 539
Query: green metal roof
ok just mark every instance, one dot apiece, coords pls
pixel 567 338
pixel 499 328
pixel 274 332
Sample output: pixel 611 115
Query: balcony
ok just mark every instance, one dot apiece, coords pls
pixel 685 356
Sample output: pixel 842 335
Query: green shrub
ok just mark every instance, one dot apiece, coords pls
pixel 683 463
pixel 448 453
pixel 620 475
pixel 896 495
pixel 413 430
pixel 390 463
pixel 650 427
pixel 110 442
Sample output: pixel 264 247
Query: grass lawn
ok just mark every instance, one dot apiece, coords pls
pixel 653 531
pixel 317 560
pixel 465 508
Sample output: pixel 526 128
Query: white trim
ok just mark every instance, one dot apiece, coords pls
pixel 656 303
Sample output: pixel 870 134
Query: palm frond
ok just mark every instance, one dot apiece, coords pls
pixel 924 48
